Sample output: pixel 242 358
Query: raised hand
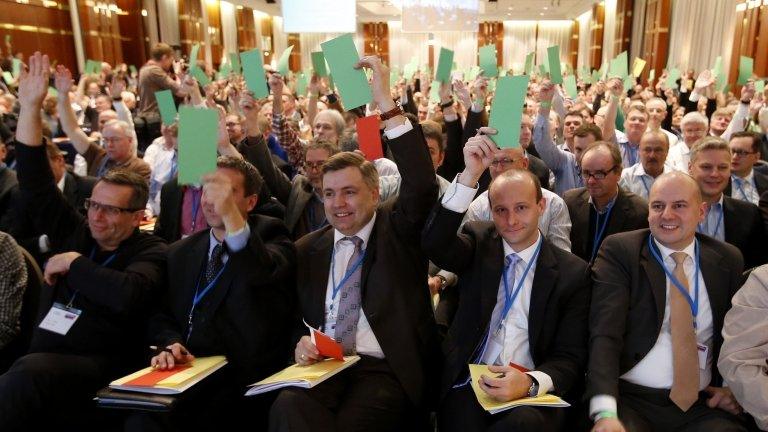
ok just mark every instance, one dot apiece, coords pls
pixel 615 87
pixel 478 155
pixel 62 79
pixel 33 83
pixel 462 93
pixel 546 92
pixel 379 81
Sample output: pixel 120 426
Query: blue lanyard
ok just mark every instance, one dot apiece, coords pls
pixel 195 207
pixel 741 189
pixel 509 298
pixel 631 153
pixel 347 275
pixel 199 296
pixel 645 185
pixel 692 302
pixel 600 229
pixel 104 264
pixel 717 225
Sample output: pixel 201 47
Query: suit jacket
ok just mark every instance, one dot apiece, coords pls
pixel 247 315
pixel 559 307
pixel 628 300
pixel 630 212
pixel 9 193
pixel 744 228
pixel 394 292
pixel 761 181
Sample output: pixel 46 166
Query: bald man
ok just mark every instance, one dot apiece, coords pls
pixel 535 321
pixel 653 149
pixel 653 347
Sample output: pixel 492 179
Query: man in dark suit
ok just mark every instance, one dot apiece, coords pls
pixel 727 219
pixel 602 207
pixel 9 191
pixel 655 331
pixel 240 269
pixel 76 190
pixel 748 179
pixel 544 332
pixel 100 281
pixel 362 280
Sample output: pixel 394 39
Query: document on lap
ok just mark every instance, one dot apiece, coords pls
pixel 494 406
pixel 326 345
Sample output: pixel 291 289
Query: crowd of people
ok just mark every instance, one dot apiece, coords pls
pixel 616 256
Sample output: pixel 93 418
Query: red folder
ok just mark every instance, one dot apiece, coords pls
pixel 368 137
pixel 156 376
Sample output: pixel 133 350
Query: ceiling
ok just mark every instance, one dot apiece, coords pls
pixel 501 10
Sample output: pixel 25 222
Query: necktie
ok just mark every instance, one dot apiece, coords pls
pixel 349 302
pixel 215 263
pixel 174 165
pixel 685 364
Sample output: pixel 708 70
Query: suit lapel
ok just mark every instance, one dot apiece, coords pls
pixel 619 214
pixel 717 279
pixel 730 222
pixel 492 267
pixel 544 280
pixel 658 281
pixel 317 283
pixel 197 258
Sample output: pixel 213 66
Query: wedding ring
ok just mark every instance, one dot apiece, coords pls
pixel 303 357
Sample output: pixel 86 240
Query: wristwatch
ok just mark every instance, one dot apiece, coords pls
pixel 443 281
pixel 533 390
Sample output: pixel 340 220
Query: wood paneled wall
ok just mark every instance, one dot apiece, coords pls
pixel 491 32
pixel 135 44
pixel 101 32
pixel 596 24
pixel 376 40
pixel 35 27
pixel 750 40
pixel 267 47
pixel 191 26
pixel 294 61
pixel 656 38
pixel 623 29
pixel 573 49
pixel 213 9
pixel 246 29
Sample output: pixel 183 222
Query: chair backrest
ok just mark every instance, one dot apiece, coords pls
pixel 31 298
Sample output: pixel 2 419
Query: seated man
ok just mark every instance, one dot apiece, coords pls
pixel 635 124
pixel 602 207
pixel 652 346
pixel 229 296
pixel 726 219
pixel 694 127
pixel 748 180
pixel 544 332
pixel 100 281
pixel 13 282
pixel 743 355
pixel 639 178
pixel 362 281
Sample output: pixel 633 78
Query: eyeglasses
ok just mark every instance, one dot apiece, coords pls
pixel 314 165
pixel 597 175
pixel 90 204
pixel 503 161
pixel 742 153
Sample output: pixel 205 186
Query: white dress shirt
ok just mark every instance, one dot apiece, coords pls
pixel 679 156
pixel 637 181
pixel 655 370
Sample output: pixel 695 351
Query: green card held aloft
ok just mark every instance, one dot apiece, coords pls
pixel 637 66
pixel 507 110
pixel 342 56
pixel 474 71
pixel 16 67
pixel 603 70
pixel 529 63
pixel 92 67
pixel 394 76
pixel 166 106
pixel 672 77
pixel 198 134
pixel 318 64
pixel 200 76
pixel 488 61
pixel 253 72
pixel 443 73
pixel 8 77
pixel 133 69
pixel 619 68
pixel 502 71
pixel 717 69
pixel 52 92
pixel 282 64
pixel 759 86
pixel 193 54
pixel 553 61
pixel 301 85
pixel 569 82
pixel 745 69
pixel 234 63
pixel 434 92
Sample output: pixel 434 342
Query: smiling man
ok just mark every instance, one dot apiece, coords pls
pixel 747 182
pixel 652 355
pixel 639 178
pixel 506 260
pixel 100 282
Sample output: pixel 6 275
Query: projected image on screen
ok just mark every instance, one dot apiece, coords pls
pixel 319 16
pixel 439 15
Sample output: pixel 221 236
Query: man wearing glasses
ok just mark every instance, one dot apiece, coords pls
pixel 99 282
pixel 601 208
pixel 747 183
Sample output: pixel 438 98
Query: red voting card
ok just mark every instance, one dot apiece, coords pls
pixel 152 378
pixel 326 345
pixel 369 138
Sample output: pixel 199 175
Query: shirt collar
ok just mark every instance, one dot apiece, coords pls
pixel 60 183
pixel 689 250
pixel 364 233
pixel 526 254
pixel 748 178
pixel 212 241
pixel 610 204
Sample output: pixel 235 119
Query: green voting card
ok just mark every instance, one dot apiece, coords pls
pixel 253 71
pixel 672 77
pixel 16 67
pixel 200 76
pixel 224 70
pixel 507 110
pixel 759 86
pixel 133 69
pixel 282 64
pixel 234 63
pixel 198 135
pixel 342 56
pixel 717 69
pixel 529 63
pixel 474 71
pixel 553 60
pixel 603 70
pixel 301 85
pixel 434 92
pixel 488 60
pixel 408 71
pixel 569 82
pixel 618 68
pixel 318 64
pixel 745 69
pixel 53 92
pixel 193 54
pixel 443 73
pixel 166 106
pixel 8 78
pixel 502 71
pixel 394 76
pixel 92 67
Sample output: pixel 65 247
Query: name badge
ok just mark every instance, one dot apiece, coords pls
pixel 60 319
pixel 702 350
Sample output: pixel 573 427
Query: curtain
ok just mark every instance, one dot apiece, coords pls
pixel 280 42
pixel 462 43
pixel 228 29
pixel 609 31
pixel 583 57
pixel 257 28
pixel 519 40
pixel 405 46
pixel 697 30
pixel 553 33
pixel 152 31
pixel 638 30
pixel 168 14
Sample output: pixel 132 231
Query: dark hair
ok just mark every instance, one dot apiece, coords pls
pixel 125 177
pixel 574 113
pixel 160 50
pixel 612 149
pixel 344 160
pixel 252 180
pixel 432 129
pixel 748 134
pixel 589 129
pixel 322 144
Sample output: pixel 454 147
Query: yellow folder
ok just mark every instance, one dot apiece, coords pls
pixel 493 406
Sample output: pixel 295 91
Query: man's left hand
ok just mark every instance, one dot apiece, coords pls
pixel 723 398
pixel 510 384
pixel 58 265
